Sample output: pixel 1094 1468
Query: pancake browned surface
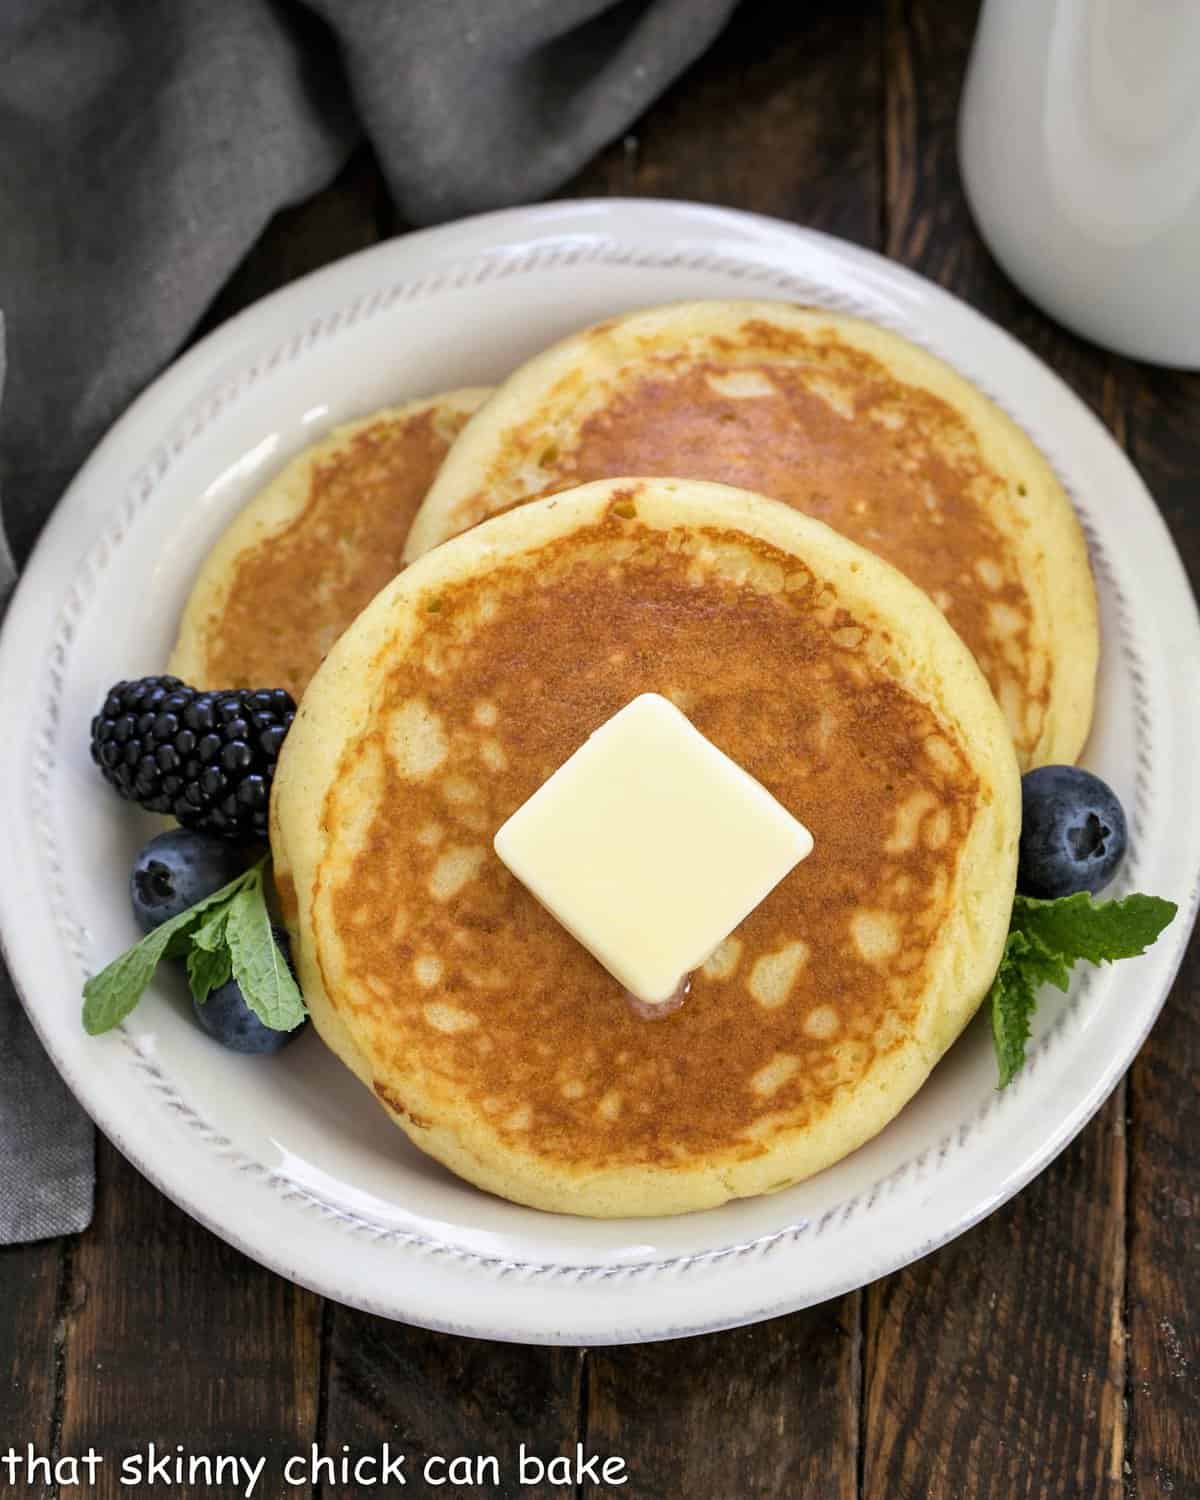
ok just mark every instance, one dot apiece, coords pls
pixel 841 419
pixel 487 1032
pixel 312 548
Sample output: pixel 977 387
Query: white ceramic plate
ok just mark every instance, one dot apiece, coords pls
pixel 289 1158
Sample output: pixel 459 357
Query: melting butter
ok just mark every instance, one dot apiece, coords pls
pixel 650 845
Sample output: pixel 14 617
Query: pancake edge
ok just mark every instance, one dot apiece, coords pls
pixel 1041 524
pixel 268 513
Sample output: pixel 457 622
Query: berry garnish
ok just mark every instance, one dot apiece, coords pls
pixel 208 758
pixel 229 1020
pixel 1073 833
pixel 226 935
pixel 1046 939
pixel 177 869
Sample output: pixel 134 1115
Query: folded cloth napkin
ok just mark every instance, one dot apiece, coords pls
pixel 46 1173
pixel 143 149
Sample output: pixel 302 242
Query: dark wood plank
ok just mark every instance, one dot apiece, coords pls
pixel 177 1338
pixel 781 117
pixel 1164 1237
pixel 1165 448
pixel 433 1395
pixel 996 1367
pixel 1164 1263
pixel 766 1411
pixel 33 1286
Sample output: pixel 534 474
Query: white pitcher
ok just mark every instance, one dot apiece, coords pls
pixel 1079 145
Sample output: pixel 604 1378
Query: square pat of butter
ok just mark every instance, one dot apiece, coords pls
pixel 650 845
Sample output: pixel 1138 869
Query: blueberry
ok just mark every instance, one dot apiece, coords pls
pixel 229 1020
pixel 177 869
pixel 1073 833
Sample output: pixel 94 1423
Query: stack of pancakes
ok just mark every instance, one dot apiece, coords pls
pixel 884 650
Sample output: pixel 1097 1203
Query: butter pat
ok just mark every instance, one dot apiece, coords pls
pixel 650 845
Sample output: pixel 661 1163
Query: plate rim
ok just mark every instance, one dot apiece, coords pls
pixel 236 338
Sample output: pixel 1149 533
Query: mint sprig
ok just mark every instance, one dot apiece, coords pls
pixel 1045 940
pixel 1013 996
pixel 208 971
pixel 227 935
pixel 258 965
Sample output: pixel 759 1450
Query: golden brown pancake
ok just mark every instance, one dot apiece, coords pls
pixel 486 1031
pixel 312 548
pixel 845 421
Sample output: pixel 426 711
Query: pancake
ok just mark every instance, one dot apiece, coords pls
pixel 490 1036
pixel 312 548
pixel 841 419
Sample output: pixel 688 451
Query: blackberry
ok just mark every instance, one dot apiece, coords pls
pixel 207 758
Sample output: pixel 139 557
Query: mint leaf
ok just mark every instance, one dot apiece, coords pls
pixel 258 966
pixel 203 913
pixel 207 971
pixel 1014 1000
pixel 1079 927
pixel 1045 939
pixel 1041 964
pixel 108 997
pixel 210 934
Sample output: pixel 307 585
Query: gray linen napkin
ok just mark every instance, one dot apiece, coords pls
pixel 46 1172
pixel 143 149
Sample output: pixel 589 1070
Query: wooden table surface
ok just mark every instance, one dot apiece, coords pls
pixel 1052 1351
